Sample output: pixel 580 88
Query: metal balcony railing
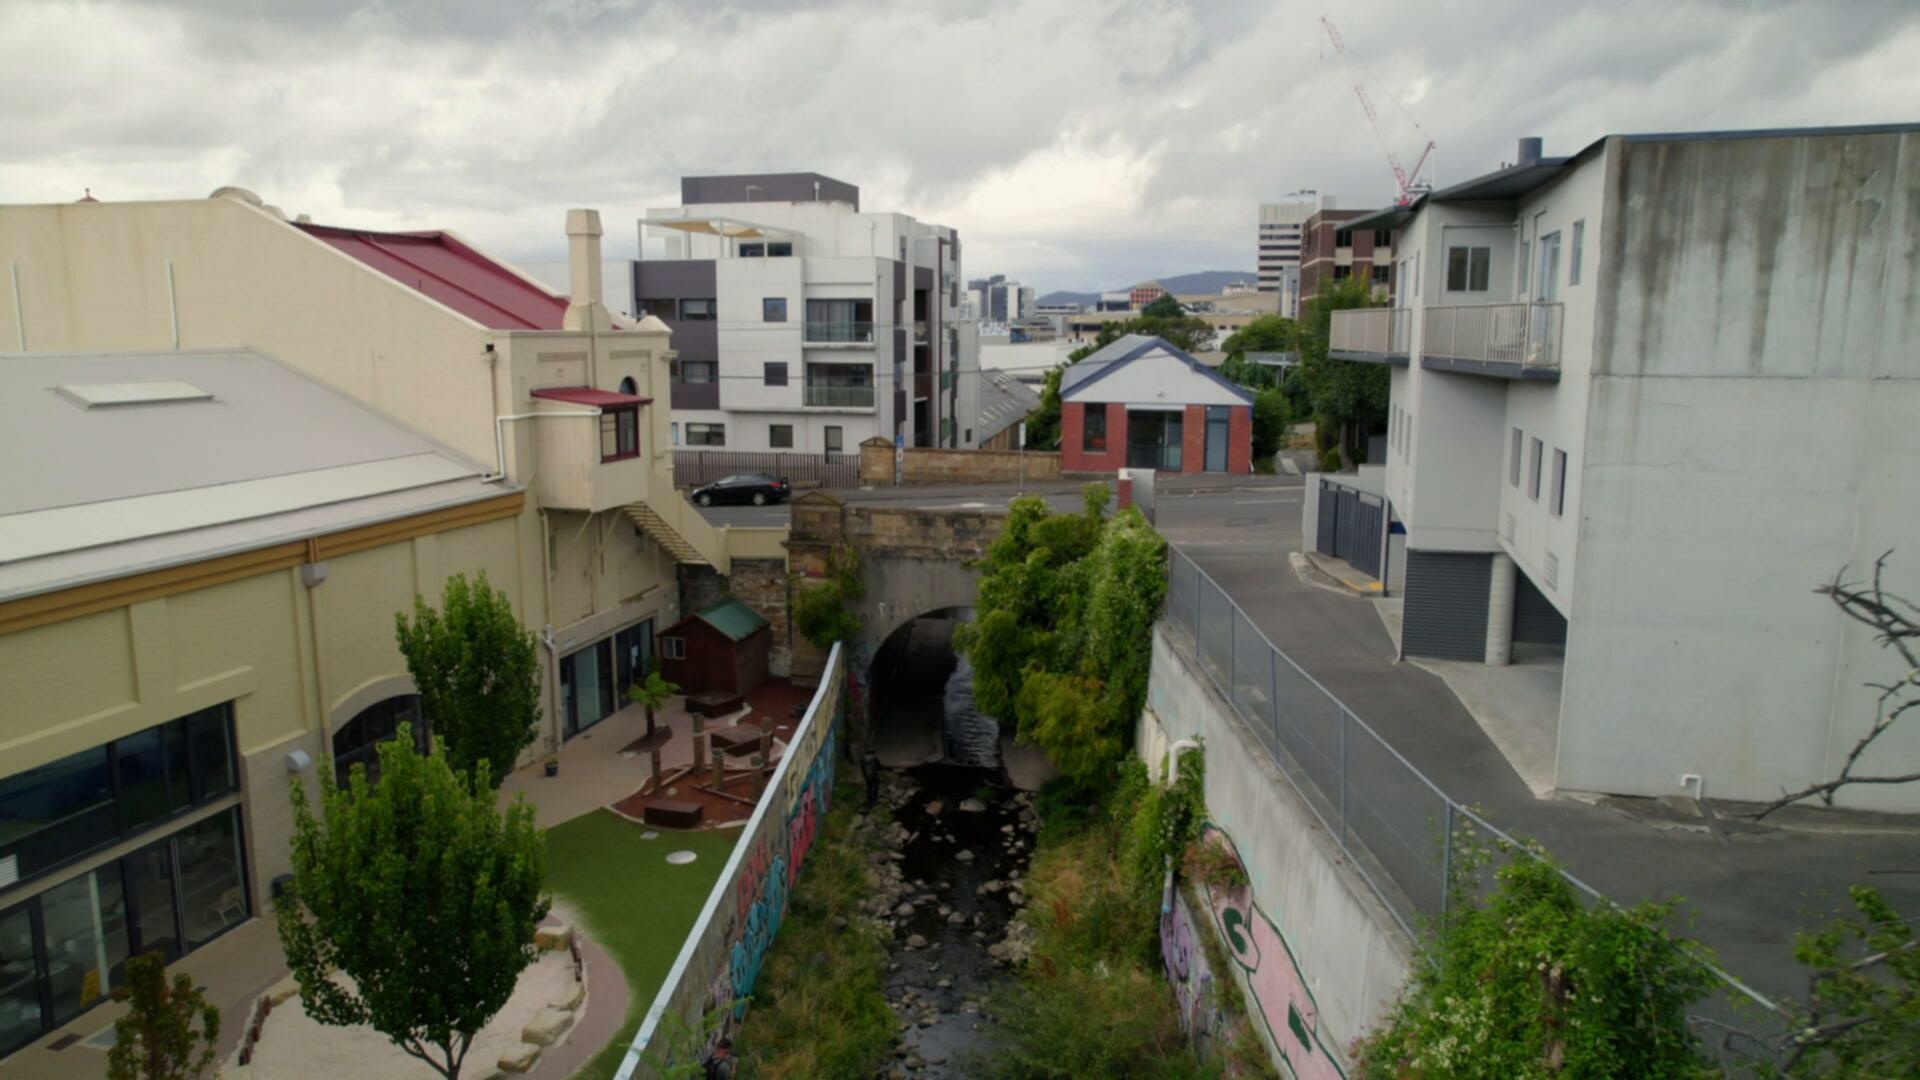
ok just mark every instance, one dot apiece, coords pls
pixel 1372 331
pixel 840 333
pixel 822 395
pixel 1526 336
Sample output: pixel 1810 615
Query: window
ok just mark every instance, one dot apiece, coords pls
pixel 1383 238
pixel 67 807
pixel 619 432
pixel 696 310
pixel 1342 238
pixel 833 440
pixel 696 371
pixel 1579 247
pixel 1467 268
pixel 1094 433
pixel 1533 470
pixel 706 434
pixel 1559 483
pixel 775 373
pixel 1382 274
pixel 1342 273
pixel 773 309
pixel 358 740
pixel 662 308
pixel 774 249
pixel 779 248
pixel 1513 461
pixel 673 648
pixel 780 436
pixel 629 387
pixel 673 432
pixel 841 320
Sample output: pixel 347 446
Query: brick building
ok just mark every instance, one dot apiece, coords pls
pixel 1330 251
pixel 1142 403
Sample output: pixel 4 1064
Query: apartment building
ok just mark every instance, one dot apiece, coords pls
pixel 802 323
pixel 1279 245
pixel 1645 399
pixel 1332 249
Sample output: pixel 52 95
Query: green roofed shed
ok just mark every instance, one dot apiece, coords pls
pixel 723 647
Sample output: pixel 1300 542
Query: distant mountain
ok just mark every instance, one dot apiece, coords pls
pixel 1204 283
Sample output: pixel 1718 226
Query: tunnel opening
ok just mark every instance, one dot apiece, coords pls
pixel 922 704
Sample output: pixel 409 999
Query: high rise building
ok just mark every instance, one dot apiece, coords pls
pixel 1280 243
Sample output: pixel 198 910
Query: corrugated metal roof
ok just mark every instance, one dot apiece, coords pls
pixel 1004 402
pixel 732 618
pixel 587 395
pixel 452 273
pixel 1131 347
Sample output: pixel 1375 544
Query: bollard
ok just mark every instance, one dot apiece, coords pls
pixel 699 743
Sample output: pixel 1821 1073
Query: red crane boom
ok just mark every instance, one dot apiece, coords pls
pixel 1408 182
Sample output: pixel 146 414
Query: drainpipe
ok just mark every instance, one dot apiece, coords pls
pixel 500 437
pixel 1173 777
pixel 553 685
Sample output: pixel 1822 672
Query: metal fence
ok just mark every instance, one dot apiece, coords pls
pixel 1399 830
pixel 1526 334
pixel 693 468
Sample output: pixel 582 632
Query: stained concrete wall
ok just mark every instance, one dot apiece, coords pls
pixel 920 465
pixel 1350 956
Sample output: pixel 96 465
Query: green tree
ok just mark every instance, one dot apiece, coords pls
pixel 1270 419
pixel 820 610
pixel 421 893
pixel 1163 306
pixel 1348 399
pixel 478 673
pixel 651 693
pixel 156 1040
pixel 1861 1019
pixel 1268 333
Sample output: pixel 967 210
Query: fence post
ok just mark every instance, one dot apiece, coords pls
pixel 1446 862
pixel 1233 634
pixel 1343 778
pixel 1273 681
pixel 1199 584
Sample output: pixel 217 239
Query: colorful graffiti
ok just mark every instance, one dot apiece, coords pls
pixel 1280 999
pixel 1192 978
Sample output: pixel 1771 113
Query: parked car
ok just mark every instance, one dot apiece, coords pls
pixel 756 488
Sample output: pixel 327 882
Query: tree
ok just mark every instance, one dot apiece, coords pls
pixel 155 1040
pixel 1268 333
pixel 1270 420
pixel 1861 1019
pixel 650 693
pixel 1181 331
pixel 820 609
pixel 1896 624
pixel 1163 306
pixel 1348 398
pixel 478 673
pixel 418 891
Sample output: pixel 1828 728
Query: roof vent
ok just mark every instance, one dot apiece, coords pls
pixel 1530 147
pixel 112 395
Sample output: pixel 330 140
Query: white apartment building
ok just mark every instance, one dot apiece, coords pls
pixel 1645 399
pixel 800 322
pixel 1278 249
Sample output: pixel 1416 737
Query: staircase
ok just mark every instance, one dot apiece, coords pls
pixel 664 534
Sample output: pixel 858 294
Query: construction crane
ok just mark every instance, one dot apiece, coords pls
pixel 1409 181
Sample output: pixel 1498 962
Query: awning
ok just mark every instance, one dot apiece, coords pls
pixel 587 395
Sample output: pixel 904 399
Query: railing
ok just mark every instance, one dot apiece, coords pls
pixel 1526 336
pixel 1378 331
pixel 694 468
pixel 839 397
pixel 1399 831
pixel 840 333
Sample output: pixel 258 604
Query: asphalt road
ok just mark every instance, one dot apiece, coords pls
pixel 1274 499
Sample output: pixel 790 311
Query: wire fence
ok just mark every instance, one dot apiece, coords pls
pixel 834 469
pixel 1398 829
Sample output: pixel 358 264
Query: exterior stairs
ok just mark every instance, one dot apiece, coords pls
pixel 664 534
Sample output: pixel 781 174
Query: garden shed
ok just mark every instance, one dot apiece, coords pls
pixel 721 648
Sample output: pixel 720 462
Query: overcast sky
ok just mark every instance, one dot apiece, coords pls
pixel 1074 143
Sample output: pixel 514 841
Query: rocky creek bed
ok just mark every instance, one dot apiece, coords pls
pixel 947 882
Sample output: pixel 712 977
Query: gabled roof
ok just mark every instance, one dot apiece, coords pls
pixel 1125 350
pixel 732 618
pixel 439 265
pixel 1004 401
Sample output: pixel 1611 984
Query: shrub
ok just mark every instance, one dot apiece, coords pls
pixel 1330 461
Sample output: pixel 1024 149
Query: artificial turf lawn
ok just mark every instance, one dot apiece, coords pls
pixel 635 904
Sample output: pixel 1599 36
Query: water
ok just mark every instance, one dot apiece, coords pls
pixel 973 737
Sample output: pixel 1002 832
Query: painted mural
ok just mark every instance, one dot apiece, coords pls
pixel 1276 991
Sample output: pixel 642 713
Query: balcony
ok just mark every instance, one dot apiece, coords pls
pixel 1505 341
pixel 1372 335
pixel 839 333
pixel 832 396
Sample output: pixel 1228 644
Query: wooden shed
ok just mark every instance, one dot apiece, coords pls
pixel 721 648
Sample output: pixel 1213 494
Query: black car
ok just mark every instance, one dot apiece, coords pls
pixel 756 488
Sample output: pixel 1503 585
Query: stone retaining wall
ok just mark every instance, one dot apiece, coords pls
pixel 923 465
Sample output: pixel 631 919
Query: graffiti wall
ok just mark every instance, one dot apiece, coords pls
pixel 1202 1013
pixel 711 983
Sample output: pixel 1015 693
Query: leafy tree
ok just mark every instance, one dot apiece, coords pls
pixel 1163 306
pixel 421 893
pixel 155 1040
pixel 1270 419
pixel 478 673
pixel 1348 398
pixel 1268 333
pixel 651 693
pixel 820 609
pixel 1861 1019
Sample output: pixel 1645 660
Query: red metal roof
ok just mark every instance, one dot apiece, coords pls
pixel 452 273
pixel 587 395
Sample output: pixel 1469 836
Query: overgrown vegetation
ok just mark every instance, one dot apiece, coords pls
pixel 821 1008
pixel 1861 1018
pixel 478 673
pixel 1529 981
pixel 820 605
pixel 1348 400
pixel 1062 640
pixel 156 1039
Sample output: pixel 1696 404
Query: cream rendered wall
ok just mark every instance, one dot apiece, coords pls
pixel 747 342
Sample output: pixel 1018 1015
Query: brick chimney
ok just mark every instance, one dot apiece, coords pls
pixel 588 310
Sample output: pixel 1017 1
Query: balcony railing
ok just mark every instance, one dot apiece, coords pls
pixel 822 395
pixel 840 333
pixel 1501 337
pixel 1371 334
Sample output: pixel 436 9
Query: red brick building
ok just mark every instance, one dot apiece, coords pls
pixel 1330 251
pixel 1142 403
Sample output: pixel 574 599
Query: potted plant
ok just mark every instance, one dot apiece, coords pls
pixel 553 765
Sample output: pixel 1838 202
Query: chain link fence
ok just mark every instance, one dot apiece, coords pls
pixel 1402 833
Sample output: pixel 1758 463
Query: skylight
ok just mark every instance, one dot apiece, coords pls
pixel 108 395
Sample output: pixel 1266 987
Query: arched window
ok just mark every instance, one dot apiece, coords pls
pixel 358 740
pixel 628 386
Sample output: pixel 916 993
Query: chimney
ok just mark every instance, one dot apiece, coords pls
pixel 1529 151
pixel 588 311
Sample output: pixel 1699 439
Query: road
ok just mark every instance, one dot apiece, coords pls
pixel 1257 497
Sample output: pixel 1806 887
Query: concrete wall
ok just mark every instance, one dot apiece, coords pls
pixel 1342 958
pixel 926 465
pixel 720 961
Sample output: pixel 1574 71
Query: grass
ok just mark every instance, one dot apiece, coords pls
pixel 635 905
pixel 820 1009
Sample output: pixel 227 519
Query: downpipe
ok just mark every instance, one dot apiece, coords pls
pixel 1173 777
